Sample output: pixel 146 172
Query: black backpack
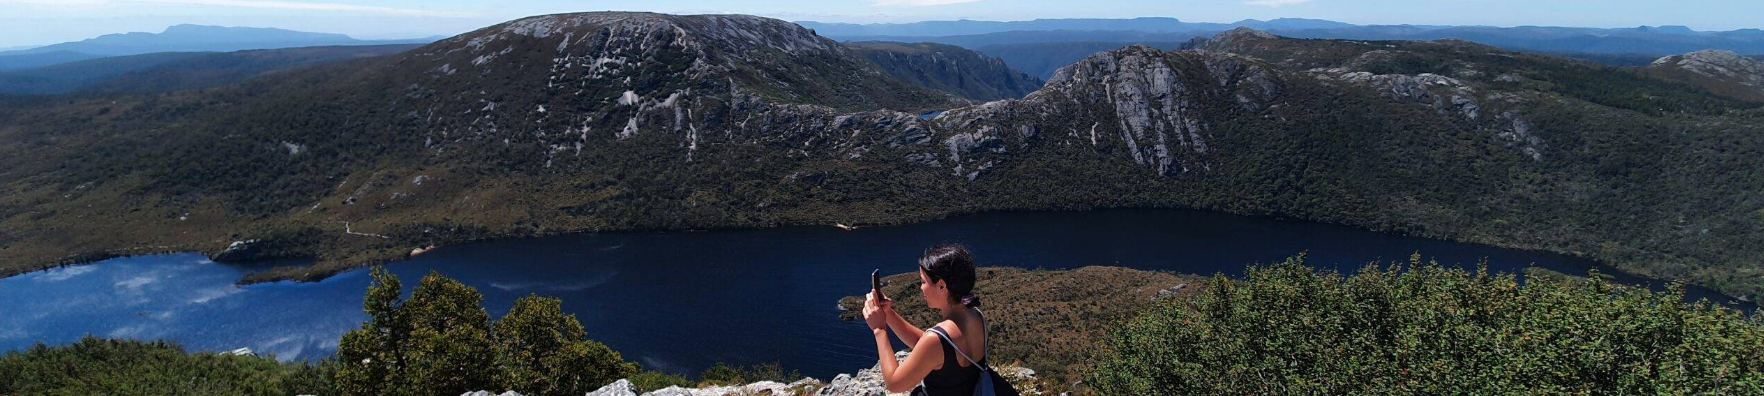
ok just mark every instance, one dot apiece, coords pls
pixel 990 384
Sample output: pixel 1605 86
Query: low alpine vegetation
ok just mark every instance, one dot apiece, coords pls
pixel 1427 329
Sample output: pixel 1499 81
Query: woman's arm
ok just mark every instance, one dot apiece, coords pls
pixel 900 376
pixel 903 329
pixel 903 376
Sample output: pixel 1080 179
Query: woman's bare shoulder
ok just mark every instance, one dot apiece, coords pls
pixel 950 326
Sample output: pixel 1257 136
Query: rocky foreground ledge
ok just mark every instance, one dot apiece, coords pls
pixel 867 382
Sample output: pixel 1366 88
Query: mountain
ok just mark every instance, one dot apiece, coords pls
pixel 977 41
pixel 179 38
pixel 843 31
pixel 1651 41
pixel 1722 72
pixel 948 68
pixel 172 71
pixel 629 121
pixel 1640 40
pixel 1043 59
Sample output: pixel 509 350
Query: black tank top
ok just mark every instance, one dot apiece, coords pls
pixel 952 379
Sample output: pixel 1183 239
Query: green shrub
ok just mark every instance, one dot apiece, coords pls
pixel 542 351
pixel 113 367
pixel 726 374
pixel 441 341
pixel 1426 329
pixel 649 380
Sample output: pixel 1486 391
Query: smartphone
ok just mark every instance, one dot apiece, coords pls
pixel 876 284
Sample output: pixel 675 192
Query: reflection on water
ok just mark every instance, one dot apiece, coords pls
pixel 681 301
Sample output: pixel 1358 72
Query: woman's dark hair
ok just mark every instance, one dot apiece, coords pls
pixel 953 265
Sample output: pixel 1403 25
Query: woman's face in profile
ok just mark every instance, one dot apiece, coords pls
pixel 932 294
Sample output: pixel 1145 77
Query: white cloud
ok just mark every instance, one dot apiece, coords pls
pixel 205 296
pixel 257 4
pixel 128 332
pixel 921 3
pixel 134 285
pixel 62 274
pixel 1275 3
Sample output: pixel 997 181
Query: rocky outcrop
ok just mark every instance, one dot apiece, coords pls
pixel 867 382
pixel 1720 71
pixel 1159 107
pixel 556 86
pixel 1719 64
pixel 1448 96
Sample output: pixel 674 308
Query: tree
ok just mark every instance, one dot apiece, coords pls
pixel 438 342
pixel 373 357
pixel 542 351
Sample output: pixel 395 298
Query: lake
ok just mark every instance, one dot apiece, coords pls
pixel 682 301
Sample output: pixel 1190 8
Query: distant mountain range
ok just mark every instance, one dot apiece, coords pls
pixel 180 38
pixel 1039 46
pixel 172 71
pixel 841 31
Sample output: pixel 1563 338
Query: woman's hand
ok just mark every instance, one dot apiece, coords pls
pixel 876 311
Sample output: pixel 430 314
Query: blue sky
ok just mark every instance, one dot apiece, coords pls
pixel 36 22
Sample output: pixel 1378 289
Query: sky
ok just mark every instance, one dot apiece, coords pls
pixel 39 22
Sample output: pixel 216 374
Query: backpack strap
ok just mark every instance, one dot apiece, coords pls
pixel 945 336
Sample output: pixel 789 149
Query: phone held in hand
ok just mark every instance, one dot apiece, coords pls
pixel 876 285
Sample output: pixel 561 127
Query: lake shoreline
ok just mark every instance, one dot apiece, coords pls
pixel 315 272
pixel 617 283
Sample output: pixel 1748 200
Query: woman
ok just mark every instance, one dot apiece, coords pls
pixel 936 366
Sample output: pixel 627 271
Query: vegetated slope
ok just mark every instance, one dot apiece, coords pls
pixel 10 61
pixel 94 366
pixel 172 71
pixel 948 68
pixel 638 121
pixel 1426 329
pixel 1721 72
pixel 546 124
pixel 1043 59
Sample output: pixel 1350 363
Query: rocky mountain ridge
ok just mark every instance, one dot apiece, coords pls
pixel 620 121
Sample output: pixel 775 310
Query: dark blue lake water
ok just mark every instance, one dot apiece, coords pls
pixel 681 301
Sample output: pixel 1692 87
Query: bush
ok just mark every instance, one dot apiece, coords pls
pixel 649 381
pixel 1425 329
pixel 442 342
pixel 542 351
pixel 726 374
pixel 111 367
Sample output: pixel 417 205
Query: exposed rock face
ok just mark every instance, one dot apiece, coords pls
pixel 1720 71
pixel 555 85
pixel 1159 105
pixel 1463 95
pixel 948 68
pixel 1719 64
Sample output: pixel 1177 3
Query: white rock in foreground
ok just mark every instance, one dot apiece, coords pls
pixel 617 388
pixel 487 393
pixel 867 382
